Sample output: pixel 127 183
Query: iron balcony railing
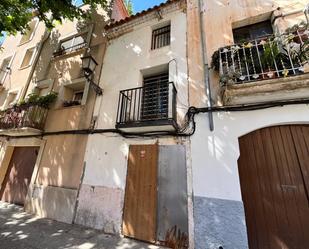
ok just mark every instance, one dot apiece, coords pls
pixel 149 105
pixel 30 116
pixel 63 51
pixel 264 58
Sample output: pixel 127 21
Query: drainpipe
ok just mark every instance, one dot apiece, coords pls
pixel 35 62
pixel 205 66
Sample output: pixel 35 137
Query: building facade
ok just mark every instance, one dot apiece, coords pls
pixel 46 64
pixel 249 174
pixel 202 127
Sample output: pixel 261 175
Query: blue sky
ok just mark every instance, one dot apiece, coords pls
pixel 140 5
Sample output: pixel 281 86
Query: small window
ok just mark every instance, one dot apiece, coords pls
pixel 72 44
pixel 161 37
pixel 27 36
pixel 78 96
pixel 252 32
pixel 11 99
pixel 27 60
pixel 4 69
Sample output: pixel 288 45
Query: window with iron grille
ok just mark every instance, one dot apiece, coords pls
pixel 161 37
pixel 155 97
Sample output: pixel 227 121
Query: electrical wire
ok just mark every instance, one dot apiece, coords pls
pixel 187 129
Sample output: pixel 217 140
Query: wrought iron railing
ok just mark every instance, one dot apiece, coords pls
pixel 31 116
pixel 63 51
pixel 265 58
pixel 152 103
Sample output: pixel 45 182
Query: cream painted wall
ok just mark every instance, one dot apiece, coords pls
pixel 107 156
pixel 17 78
pixel 129 54
pixel 215 154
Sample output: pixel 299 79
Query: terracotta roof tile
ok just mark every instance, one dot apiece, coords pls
pixel 139 14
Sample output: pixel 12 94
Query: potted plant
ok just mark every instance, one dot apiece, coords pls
pixel 69 103
pixel 270 58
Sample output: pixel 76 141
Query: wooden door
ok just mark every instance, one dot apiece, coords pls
pixel 18 175
pixel 139 218
pixel 273 167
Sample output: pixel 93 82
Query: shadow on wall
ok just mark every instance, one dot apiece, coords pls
pixel 21 230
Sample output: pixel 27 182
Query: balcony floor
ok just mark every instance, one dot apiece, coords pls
pixel 25 131
pixel 148 126
pixel 293 87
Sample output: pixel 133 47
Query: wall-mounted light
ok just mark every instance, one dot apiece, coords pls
pixel 89 64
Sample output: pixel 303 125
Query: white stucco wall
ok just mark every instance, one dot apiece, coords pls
pixel 125 59
pixel 128 56
pixel 215 154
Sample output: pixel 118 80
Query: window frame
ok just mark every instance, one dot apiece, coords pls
pixel 7 105
pixel 32 34
pixel 8 66
pixel 249 27
pixel 59 51
pixel 154 37
pixel 32 57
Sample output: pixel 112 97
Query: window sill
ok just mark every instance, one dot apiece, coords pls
pixel 25 67
pixel 168 47
pixel 69 54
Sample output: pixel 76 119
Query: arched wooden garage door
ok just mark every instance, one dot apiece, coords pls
pixel 274 176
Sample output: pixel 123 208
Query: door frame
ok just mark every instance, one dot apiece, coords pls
pixel 6 158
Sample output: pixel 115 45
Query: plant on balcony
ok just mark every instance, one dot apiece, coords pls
pixel 35 99
pixel 270 58
pixel 69 103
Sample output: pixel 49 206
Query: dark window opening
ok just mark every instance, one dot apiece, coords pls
pixel 252 32
pixel 155 97
pixel 161 37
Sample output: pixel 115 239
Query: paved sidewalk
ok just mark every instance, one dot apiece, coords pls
pixel 19 230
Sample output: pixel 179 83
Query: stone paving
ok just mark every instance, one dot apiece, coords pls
pixel 19 230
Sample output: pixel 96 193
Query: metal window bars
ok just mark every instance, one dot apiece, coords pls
pixel 161 37
pixel 264 58
pixel 147 103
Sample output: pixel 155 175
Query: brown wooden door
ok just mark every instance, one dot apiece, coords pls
pixel 139 218
pixel 273 167
pixel 18 175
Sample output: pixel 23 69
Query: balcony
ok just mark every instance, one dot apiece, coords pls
pixel 23 120
pixel 269 68
pixel 68 50
pixel 148 109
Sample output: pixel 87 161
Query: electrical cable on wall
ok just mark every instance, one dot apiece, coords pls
pixel 187 129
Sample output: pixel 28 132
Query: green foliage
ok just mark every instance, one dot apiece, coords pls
pixel 270 55
pixel 215 61
pixel 299 26
pixel 15 14
pixel 35 99
pixel 129 6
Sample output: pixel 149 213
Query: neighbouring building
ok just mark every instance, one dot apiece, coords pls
pixel 250 174
pixel 43 172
